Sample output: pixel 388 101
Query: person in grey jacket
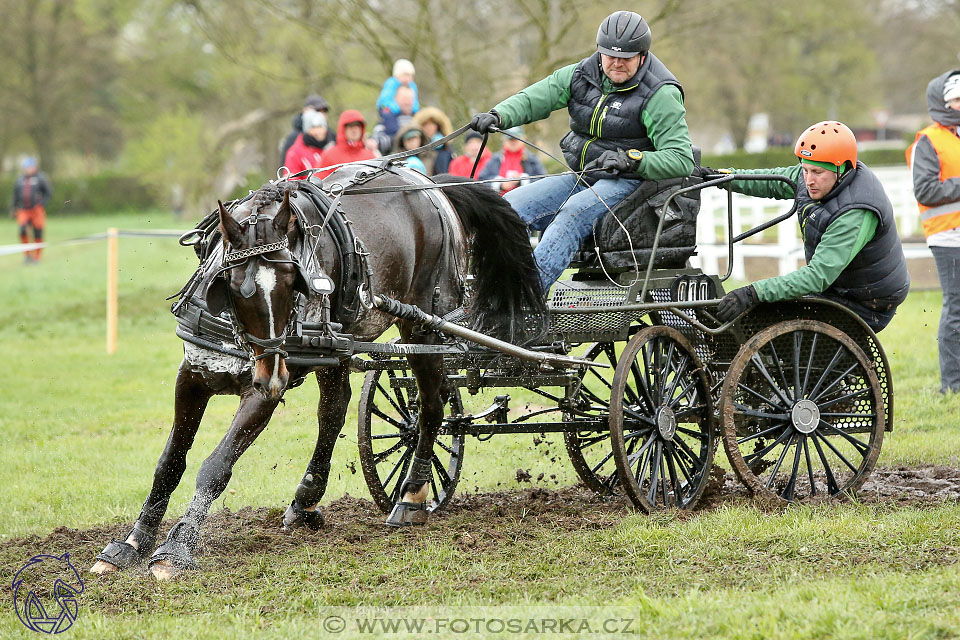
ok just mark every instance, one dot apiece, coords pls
pixel 935 160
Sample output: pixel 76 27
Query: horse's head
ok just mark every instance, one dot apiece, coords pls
pixel 258 283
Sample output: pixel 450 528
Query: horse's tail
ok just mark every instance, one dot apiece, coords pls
pixel 507 299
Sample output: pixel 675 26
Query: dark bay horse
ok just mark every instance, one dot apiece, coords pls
pixel 417 247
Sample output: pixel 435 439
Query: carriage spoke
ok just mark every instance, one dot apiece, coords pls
pixel 441 471
pixel 797 344
pixel 753 413
pixel 859 445
pixel 402 463
pixel 836 451
pixel 762 368
pixel 750 459
pixel 832 486
pixel 380 413
pixel 760 396
pixel 602 462
pixel 654 473
pixel 642 389
pixel 806 374
pixel 449 450
pixel 776 467
pixel 386 394
pixel 696 461
pixel 826 372
pixel 823 405
pixel 674 481
pixel 783 377
pixel 761 434
pixel 806 452
pixel 789 492
pixel 682 466
pixel 837 381
pixel 386 453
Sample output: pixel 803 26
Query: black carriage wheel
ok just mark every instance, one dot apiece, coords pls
pixel 387 436
pixel 802 412
pixel 661 424
pixel 589 447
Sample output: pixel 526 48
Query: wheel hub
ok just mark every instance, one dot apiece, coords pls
pixel 666 422
pixel 805 416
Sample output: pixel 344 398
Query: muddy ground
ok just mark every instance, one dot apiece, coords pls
pixel 473 519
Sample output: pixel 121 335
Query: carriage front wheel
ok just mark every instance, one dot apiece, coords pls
pixel 802 412
pixel 661 421
pixel 387 436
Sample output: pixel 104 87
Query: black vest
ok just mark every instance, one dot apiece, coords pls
pixel 600 122
pixel 877 277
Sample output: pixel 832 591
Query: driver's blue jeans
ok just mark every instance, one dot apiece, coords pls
pixel 564 227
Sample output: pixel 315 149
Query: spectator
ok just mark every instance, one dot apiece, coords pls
pixel 935 159
pixel 403 72
pixel 435 125
pixel 371 144
pixel 385 131
pixel 31 192
pixel 350 146
pixel 312 103
pixel 513 162
pixel 411 137
pixel 305 153
pixel 463 165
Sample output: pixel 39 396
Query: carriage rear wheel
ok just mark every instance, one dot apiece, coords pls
pixel 802 412
pixel 661 421
pixel 589 444
pixel 387 436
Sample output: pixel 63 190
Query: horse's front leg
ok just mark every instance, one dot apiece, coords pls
pixel 176 553
pixel 412 508
pixel 190 401
pixel 334 386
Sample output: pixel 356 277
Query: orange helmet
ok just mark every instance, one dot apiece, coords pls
pixel 828 142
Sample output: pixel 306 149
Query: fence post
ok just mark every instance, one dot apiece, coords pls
pixel 112 267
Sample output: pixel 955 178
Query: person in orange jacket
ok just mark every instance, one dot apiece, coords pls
pixel 935 160
pixel 350 146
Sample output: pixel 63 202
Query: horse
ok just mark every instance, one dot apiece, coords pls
pixel 419 239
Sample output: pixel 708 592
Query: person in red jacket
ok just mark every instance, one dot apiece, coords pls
pixel 306 152
pixel 350 146
pixel 463 165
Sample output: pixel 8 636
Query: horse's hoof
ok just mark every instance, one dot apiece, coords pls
pixel 295 517
pixel 164 570
pixel 117 556
pixel 406 514
pixel 101 567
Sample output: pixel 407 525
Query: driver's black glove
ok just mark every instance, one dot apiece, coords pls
pixel 707 172
pixel 615 162
pixel 736 302
pixel 485 122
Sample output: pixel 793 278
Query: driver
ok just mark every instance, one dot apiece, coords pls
pixel 850 238
pixel 626 116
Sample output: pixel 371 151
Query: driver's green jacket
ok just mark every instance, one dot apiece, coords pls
pixel 841 242
pixel 664 117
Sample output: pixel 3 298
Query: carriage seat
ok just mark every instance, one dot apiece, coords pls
pixel 639 213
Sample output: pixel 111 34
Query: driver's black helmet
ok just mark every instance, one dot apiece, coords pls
pixel 623 34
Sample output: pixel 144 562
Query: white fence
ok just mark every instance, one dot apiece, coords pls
pixel 782 242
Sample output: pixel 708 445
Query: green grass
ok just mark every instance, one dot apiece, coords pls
pixel 81 432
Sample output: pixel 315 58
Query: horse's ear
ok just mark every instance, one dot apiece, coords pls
pixel 229 227
pixel 285 221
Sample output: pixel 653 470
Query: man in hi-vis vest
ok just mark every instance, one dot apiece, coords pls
pixel 935 160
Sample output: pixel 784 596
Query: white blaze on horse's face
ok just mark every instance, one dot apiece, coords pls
pixel 266 278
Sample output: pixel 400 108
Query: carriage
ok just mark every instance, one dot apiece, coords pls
pixel 633 369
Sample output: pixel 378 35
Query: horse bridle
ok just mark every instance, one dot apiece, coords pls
pixel 233 259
